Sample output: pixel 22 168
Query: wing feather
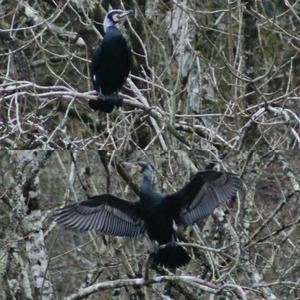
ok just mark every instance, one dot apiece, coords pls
pixel 93 218
pixel 99 217
pixel 198 199
pixel 106 213
pixel 104 221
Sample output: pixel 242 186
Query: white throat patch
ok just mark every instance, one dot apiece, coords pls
pixel 107 22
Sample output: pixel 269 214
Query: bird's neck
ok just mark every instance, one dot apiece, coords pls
pixel 107 23
pixel 147 184
pixel 112 31
pixel 110 28
pixel 149 197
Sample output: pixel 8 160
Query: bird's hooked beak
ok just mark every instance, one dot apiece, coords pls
pixel 121 16
pixel 132 167
pixel 125 13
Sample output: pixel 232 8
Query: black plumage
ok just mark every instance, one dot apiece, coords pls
pixel 154 213
pixel 111 64
pixel 106 213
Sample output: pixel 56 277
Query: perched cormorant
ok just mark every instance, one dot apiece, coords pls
pixel 111 63
pixel 154 213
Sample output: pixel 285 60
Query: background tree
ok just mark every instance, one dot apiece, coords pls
pixel 217 82
pixel 205 75
pixel 247 249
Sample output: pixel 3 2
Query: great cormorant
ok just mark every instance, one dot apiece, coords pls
pixel 111 63
pixel 154 213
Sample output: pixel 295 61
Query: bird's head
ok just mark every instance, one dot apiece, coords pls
pixel 114 17
pixel 140 167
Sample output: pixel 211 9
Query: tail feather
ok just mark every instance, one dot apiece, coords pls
pixel 106 104
pixel 101 105
pixel 171 256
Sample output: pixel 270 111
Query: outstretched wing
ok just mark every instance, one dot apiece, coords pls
pixel 198 199
pixel 106 213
